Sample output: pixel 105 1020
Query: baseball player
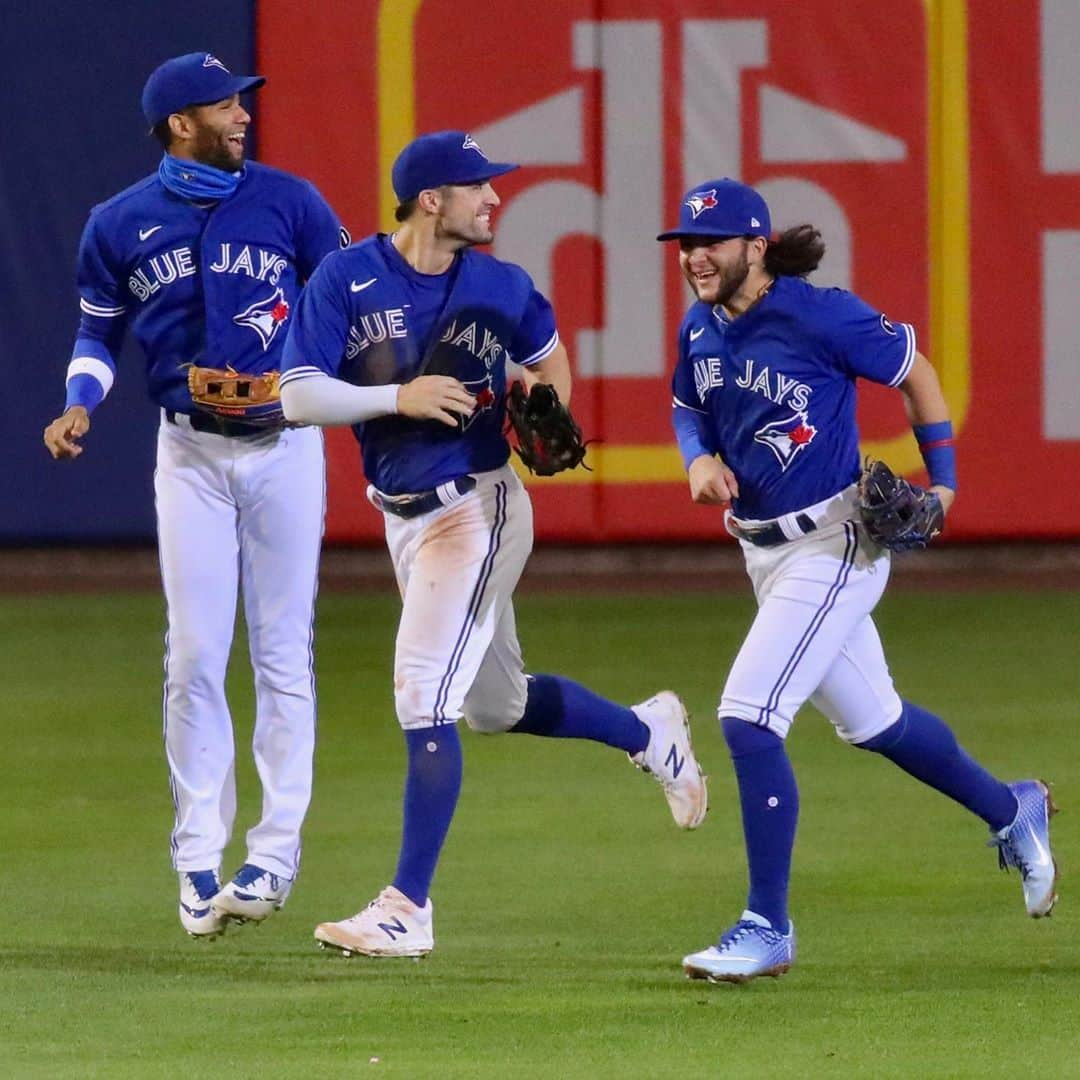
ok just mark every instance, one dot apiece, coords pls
pixel 764 414
pixel 204 260
pixel 406 337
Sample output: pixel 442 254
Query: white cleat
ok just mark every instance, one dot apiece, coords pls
pixel 670 758
pixel 391 925
pixel 251 896
pixel 197 890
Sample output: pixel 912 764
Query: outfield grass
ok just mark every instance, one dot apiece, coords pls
pixel 566 896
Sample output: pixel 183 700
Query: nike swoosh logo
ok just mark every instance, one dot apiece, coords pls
pixel 1044 855
pixel 145 234
pixel 354 287
pixel 695 334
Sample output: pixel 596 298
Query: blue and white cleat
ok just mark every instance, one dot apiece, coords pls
pixel 747 950
pixel 197 889
pixel 1025 846
pixel 669 758
pixel 251 896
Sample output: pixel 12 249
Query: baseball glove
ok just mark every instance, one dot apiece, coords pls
pixel 238 395
pixel 548 438
pixel 897 515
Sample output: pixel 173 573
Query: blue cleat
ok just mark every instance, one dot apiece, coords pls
pixel 197 889
pixel 1025 846
pixel 251 896
pixel 748 949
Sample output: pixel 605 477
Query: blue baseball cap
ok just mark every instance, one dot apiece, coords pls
pixel 192 79
pixel 443 157
pixel 721 208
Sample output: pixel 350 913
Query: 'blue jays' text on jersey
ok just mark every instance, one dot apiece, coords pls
pixel 774 389
pixel 214 285
pixel 369 318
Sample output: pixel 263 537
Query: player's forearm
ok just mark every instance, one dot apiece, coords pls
pixel 924 400
pixel 319 399
pixel 928 413
pixel 692 434
pixel 554 370
pixel 90 375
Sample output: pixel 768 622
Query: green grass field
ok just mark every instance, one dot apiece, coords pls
pixel 566 897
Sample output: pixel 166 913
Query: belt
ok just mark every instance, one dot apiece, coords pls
pixel 422 502
pixel 219 425
pixel 770 535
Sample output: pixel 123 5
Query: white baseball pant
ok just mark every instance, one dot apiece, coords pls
pixel 457 652
pixel 239 515
pixel 813 638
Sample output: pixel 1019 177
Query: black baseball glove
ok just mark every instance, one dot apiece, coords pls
pixel 548 438
pixel 896 514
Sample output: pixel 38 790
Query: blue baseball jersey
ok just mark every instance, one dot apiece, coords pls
pixel 773 390
pixel 214 285
pixel 369 318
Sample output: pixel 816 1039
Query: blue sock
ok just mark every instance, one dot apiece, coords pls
pixel 432 785
pixel 561 709
pixel 770 811
pixel 923 745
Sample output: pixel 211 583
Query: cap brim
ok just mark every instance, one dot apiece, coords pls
pixel 493 169
pixel 240 84
pixel 679 234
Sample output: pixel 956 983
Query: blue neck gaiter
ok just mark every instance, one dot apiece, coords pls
pixel 193 180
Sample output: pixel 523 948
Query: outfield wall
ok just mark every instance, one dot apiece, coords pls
pixel 932 142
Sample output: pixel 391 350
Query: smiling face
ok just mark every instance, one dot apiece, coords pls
pixel 464 213
pixel 211 134
pixel 727 271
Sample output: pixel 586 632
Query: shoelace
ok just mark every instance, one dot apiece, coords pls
pixel 204 883
pixel 1008 856
pixel 248 874
pixel 743 928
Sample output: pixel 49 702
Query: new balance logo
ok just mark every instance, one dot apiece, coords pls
pixel 675 761
pixel 392 929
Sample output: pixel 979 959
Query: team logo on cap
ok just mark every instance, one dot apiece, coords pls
pixel 471 144
pixel 787 438
pixel 210 60
pixel 265 317
pixel 701 201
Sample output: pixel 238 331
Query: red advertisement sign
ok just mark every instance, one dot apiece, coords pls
pixel 864 125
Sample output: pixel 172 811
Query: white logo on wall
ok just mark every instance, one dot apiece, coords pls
pixel 632 203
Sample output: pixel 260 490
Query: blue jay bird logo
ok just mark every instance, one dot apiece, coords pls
pixel 265 317
pixel 787 438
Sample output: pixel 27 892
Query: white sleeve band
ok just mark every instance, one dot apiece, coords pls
pixel 544 351
pixel 95 368
pixel 326 401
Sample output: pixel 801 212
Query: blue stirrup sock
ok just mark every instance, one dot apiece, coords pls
pixel 770 812
pixel 923 745
pixel 432 785
pixel 559 708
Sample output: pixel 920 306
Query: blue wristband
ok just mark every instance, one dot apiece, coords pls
pixel 938 451
pixel 84 390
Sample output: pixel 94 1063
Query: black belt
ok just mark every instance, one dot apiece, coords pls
pixel 770 535
pixel 219 425
pixel 423 502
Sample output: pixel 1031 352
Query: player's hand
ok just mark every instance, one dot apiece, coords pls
pixel 711 481
pixel 63 434
pixel 945 494
pixel 435 397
